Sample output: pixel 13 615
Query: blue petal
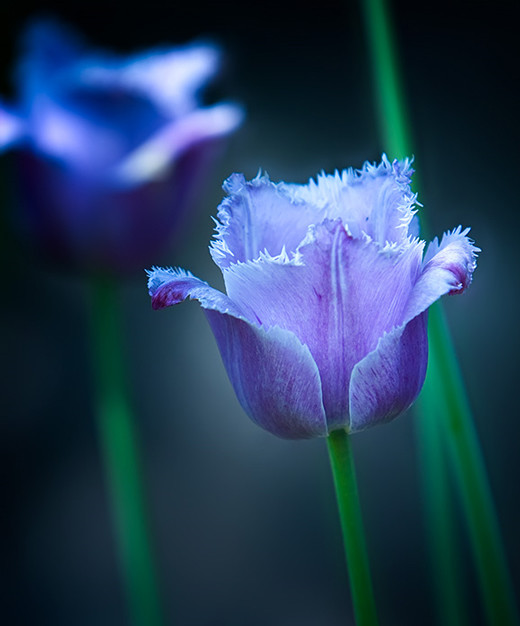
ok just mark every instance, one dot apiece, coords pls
pixel 338 296
pixel 141 96
pixel 274 376
pixel 12 128
pixel 77 142
pixel 387 381
pixel 447 268
pixel 152 159
pixel 170 77
pixel 170 286
pixel 89 127
pixel 54 56
pixel 92 110
pixel 376 200
pixel 259 216
pixel 49 49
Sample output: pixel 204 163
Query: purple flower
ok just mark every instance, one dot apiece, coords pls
pixel 110 150
pixel 324 321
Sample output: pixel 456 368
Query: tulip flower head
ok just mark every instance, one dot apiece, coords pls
pixel 324 324
pixel 110 150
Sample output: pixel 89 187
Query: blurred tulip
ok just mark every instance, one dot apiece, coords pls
pixel 110 151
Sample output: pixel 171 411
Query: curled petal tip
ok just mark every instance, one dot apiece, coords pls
pixel 167 287
pixel 456 254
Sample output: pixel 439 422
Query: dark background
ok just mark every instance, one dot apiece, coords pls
pixel 245 524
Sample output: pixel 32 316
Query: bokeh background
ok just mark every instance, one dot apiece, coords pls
pixel 245 525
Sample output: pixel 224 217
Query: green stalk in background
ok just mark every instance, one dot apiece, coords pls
pixel 460 437
pixel 119 450
pixel 343 472
pixel 443 403
pixel 445 557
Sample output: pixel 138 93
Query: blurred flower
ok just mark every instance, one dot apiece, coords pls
pixel 324 321
pixel 110 151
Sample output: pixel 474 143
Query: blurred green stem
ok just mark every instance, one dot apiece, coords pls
pixel 460 438
pixel 443 399
pixel 119 449
pixel 343 472
pixel 445 556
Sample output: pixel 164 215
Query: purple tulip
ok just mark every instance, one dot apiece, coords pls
pixel 324 321
pixel 110 151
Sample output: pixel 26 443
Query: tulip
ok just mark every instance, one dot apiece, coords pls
pixel 110 151
pixel 324 324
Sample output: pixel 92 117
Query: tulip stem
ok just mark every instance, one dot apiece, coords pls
pixel 445 556
pixel 120 454
pixel 444 386
pixel 460 439
pixel 344 475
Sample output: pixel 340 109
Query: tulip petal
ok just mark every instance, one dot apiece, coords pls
pixel 49 48
pixel 11 128
pixel 152 159
pixel 117 118
pixel 376 200
pixel 170 286
pixel 338 297
pixel 388 379
pixel 77 142
pixel 171 77
pixel 259 216
pixel 263 216
pixel 447 268
pixel 274 376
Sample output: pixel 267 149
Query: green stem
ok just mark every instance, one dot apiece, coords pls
pixel 386 77
pixel 120 454
pixel 461 440
pixel 445 556
pixel 343 472
pixel 444 386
